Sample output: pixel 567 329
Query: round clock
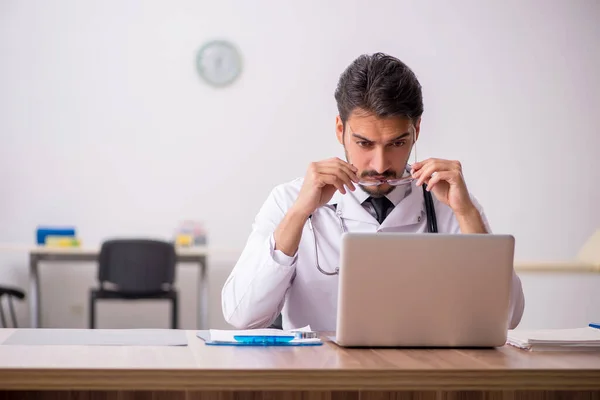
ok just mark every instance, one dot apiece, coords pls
pixel 219 63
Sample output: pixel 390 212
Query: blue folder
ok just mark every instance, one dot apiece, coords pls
pixel 264 341
pixel 43 231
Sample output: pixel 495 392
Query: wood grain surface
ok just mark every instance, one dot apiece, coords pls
pixel 201 368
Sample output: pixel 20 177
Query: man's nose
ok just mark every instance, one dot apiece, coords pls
pixel 379 161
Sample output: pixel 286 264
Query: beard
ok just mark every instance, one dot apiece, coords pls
pixel 380 190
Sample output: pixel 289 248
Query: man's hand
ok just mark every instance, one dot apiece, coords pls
pixel 445 180
pixel 322 180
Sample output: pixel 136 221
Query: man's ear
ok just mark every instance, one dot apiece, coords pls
pixel 339 129
pixel 417 129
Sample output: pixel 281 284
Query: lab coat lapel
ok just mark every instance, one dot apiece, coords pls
pixel 410 210
pixel 349 207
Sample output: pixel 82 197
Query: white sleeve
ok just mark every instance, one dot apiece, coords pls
pixel 517 302
pixel 279 256
pixel 254 293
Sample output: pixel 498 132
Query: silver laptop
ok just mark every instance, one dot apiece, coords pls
pixel 424 290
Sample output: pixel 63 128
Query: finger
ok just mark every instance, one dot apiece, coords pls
pixel 417 167
pixel 420 164
pixel 335 166
pixel 442 164
pixel 426 172
pixel 334 181
pixel 339 161
pixel 341 174
pixel 414 168
pixel 331 167
pixel 435 165
pixel 352 167
pixel 349 168
pixel 447 176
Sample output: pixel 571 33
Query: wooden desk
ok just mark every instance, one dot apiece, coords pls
pixel 325 372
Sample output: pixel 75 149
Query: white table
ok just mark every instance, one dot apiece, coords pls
pixel 38 254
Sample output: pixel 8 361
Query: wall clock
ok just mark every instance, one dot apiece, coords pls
pixel 219 63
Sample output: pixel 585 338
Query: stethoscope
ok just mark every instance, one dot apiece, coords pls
pixel 429 212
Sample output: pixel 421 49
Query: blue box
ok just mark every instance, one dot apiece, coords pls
pixel 42 232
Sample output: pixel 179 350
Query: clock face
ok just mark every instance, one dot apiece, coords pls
pixel 219 63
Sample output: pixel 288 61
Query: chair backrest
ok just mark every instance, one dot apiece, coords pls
pixel 137 265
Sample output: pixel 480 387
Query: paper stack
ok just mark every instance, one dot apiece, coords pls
pixel 577 339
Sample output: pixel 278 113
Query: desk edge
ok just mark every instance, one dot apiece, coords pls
pixel 299 379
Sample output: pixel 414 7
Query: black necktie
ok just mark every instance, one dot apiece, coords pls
pixel 381 205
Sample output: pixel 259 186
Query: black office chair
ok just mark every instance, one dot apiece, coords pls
pixel 9 293
pixel 136 269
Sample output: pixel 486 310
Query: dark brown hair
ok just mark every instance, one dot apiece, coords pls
pixel 379 84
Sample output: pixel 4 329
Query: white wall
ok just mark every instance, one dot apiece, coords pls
pixel 106 125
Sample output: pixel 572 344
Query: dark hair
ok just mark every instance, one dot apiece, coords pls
pixel 379 84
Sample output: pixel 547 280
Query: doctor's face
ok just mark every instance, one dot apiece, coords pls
pixel 378 147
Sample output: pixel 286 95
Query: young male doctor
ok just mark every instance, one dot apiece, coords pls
pixel 279 271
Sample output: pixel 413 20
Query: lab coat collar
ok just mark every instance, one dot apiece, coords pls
pixel 410 210
pixel 409 206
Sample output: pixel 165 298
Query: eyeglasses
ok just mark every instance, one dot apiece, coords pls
pixel 391 182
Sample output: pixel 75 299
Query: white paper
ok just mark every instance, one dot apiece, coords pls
pixel 303 329
pixel 97 337
pixel 549 339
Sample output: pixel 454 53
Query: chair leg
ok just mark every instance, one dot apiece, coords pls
pixel 12 312
pixel 2 314
pixel 92 311
pixel 174 312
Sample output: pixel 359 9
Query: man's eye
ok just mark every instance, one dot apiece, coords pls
pixel 362 143
pixel 399 143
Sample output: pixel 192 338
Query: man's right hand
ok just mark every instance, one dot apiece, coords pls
pixel 322 180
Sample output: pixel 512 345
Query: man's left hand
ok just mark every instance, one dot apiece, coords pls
pixel 445 180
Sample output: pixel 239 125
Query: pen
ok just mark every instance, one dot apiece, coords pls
pixel 595 325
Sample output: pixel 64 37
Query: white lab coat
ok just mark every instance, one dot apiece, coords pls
pixel 265 282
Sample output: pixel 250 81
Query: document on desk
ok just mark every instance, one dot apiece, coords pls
pixel 260 337
pixel 577 339
pixel 97 337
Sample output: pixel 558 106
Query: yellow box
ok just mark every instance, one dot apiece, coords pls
pixel 62 241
